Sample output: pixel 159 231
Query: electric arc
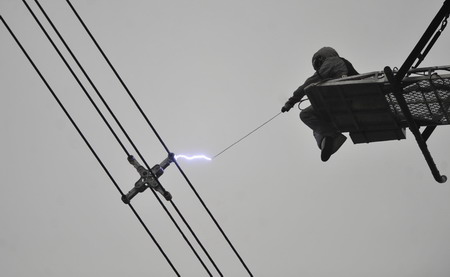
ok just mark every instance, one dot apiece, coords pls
pixel 195 157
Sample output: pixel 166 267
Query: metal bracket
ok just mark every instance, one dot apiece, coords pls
pixel 149 178
pixel 421 140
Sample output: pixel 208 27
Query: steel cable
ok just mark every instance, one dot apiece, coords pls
pixel 158 136
pixel 136 149
pixel 88 144
pixel 102 116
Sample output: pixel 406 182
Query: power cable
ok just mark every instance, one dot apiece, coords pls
pixel 157 135
pixel 101 114
pixel 87 143
pixel 77 79
pixel 135 148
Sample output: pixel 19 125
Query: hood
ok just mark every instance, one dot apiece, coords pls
pixel 321 55
pixel 326 52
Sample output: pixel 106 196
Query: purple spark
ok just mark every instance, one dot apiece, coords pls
pixel 195 157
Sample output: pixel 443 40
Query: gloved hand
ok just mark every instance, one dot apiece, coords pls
pixel 287 107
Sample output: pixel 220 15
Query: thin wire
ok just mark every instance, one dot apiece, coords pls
pixel 129 139
pixel 118 77
pixel 157 135
pixel 76 78
pixel 256 129
pixel 197 239
pixel 87 143
pixel 215 221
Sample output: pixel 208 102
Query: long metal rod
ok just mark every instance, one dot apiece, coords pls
pixel 398 93
pixel 396 80
pixel 415 53
pixel 427 132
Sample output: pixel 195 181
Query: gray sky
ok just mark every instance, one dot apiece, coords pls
pixel 206 73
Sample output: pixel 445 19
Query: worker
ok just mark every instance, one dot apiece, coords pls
pixel 328 65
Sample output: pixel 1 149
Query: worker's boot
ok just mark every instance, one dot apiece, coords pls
pixel 330 145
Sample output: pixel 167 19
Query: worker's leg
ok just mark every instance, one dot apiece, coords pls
pixel 320 127
pixel 328 138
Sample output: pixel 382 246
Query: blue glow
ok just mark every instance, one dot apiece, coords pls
pixel 195 157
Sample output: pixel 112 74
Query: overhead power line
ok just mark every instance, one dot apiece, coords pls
pixel 87 143
pixel 118 123
pixel 158 136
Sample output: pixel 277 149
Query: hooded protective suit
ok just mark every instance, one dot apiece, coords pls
pixel 328 65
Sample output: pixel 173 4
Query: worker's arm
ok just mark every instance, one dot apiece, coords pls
pixel 300 92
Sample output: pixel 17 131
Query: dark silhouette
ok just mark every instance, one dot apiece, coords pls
pixel 328 65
